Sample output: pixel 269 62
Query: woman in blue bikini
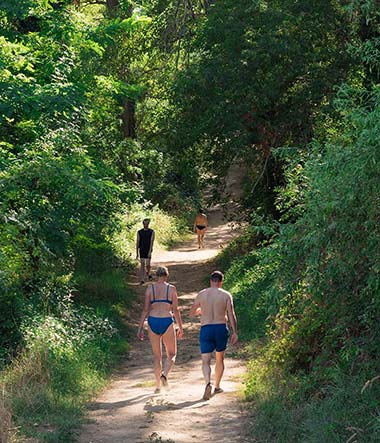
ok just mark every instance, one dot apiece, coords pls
pixel 160 306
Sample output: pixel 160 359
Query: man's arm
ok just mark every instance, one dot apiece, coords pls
pixel 196 308
pixel 232 319
pixel 137 245
pixel 151 244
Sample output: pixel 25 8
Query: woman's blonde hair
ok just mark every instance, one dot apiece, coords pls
pixel 162 271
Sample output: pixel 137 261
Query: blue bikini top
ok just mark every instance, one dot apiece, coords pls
pixel 163 300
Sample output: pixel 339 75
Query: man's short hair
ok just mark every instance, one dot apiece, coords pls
pixel 217 276
pixel 146 220
pixel 200 210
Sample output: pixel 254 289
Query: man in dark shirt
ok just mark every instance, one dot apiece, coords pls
pixel 144 248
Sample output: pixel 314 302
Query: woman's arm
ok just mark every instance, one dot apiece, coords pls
pixel 177 312
pixel 144 314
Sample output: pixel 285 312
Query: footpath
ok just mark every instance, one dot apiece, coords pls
pixel 129 412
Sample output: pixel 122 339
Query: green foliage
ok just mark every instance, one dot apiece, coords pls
pixel 323 342
pixel 331 248
pixel 64 362
pixel 111 114
pixel 294 408
pixel 316 377
pixel 251 76
pixel 65 167
pixel 250 279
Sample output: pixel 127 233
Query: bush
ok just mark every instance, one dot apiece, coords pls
pixel 320 276
pixel 65 360
pixel 250 280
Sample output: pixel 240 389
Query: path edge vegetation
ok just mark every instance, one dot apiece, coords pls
pixel 306 291
pixel 67 355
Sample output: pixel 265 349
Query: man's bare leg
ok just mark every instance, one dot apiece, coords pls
pixel 142 269
pixel 206 367
pixel 148 268
pixel 219 368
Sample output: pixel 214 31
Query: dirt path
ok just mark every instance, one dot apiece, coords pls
pixel 129 412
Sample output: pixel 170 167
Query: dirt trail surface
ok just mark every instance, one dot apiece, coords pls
pixel 129 411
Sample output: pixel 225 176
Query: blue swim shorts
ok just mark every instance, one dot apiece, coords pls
pixel 213 337
pixel 159 325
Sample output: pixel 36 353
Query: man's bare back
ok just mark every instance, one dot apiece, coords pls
pixel 213 305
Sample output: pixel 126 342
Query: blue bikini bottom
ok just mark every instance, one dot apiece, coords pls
pixel 159 325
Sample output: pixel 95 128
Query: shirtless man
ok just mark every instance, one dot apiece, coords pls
pixel 144 247
pixel 200 227
pixel 215 306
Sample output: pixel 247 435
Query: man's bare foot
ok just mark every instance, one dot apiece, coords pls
pixel 207 393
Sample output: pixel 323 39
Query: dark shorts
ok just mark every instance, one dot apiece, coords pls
pixel 200 227
pixel 144 254
pixel 213 337
pixel 159 325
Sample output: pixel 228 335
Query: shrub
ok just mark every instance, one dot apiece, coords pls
pixel 63 363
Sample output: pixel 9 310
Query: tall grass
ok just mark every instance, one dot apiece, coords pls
pixel 6 435
pixel 312 408
pixel 64 362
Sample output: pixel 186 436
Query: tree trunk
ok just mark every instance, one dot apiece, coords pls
pixel 129 119
pixel 112 8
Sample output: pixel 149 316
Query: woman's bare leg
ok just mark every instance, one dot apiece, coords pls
pixel 155 341
pixel 202 239
pixel 199 238
pixel 170 343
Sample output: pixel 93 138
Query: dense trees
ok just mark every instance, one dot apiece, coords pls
pixel 107 103
pixel 313 285
pixel 253 76
pixel 65 168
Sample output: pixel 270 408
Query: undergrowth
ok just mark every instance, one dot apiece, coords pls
pixel 73 334
pixel 312 290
